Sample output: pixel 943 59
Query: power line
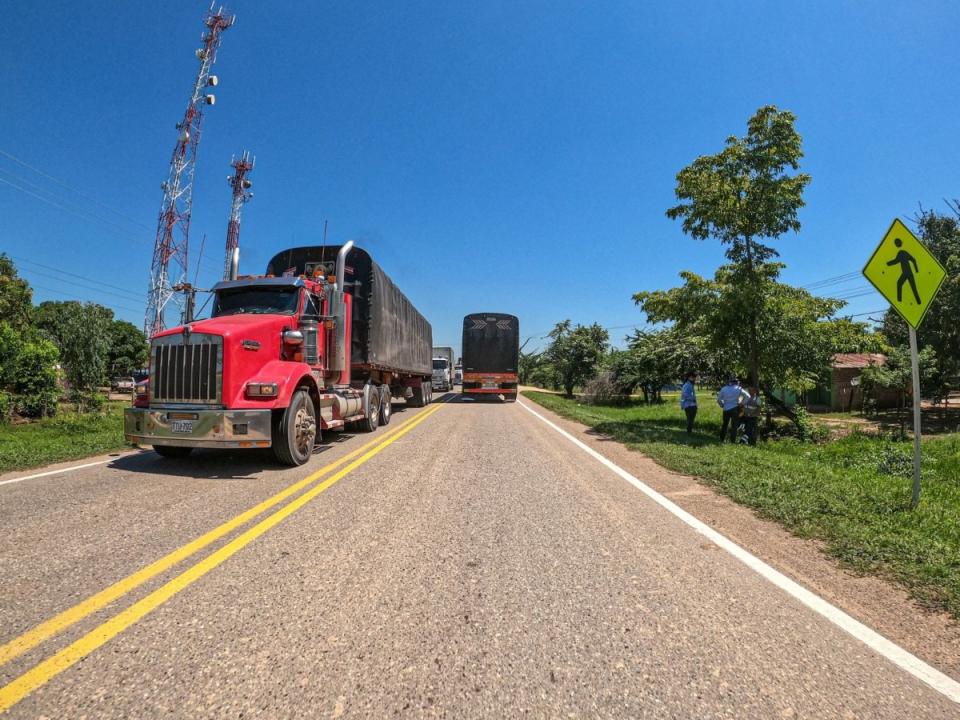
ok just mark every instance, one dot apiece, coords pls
pixel 62 184
pixel 133 295
pixel 126 296
pixel 69 297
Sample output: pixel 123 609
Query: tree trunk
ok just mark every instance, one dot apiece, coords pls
pixel 753 368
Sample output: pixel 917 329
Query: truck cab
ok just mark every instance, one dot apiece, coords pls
pixel 442 377
pixel 269 369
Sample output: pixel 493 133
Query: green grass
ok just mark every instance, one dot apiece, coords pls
pixel 66 437
pixel 853 493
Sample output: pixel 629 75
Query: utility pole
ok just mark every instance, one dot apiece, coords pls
pixel 168 268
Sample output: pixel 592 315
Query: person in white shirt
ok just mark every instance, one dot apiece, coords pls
pixel 730 398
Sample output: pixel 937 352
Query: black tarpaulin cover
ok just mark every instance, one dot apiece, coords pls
pixel 491 343
pixel 388 331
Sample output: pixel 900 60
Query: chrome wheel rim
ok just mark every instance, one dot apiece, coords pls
pixel 305 430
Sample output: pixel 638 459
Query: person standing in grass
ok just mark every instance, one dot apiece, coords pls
pixel 729 398
pixel 688 400
pixel 752 407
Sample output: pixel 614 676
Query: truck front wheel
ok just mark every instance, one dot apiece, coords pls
pixel 172 451
pixel 295 430
pixel 371 408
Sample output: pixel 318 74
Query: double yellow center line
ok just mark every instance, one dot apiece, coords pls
pixel 46 670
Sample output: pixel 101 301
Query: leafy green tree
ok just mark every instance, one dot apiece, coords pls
pixel 742 196
pixel 897 375
pixel 796 333
pixel 655 358
pixel 576 353
pixel 129 349
pixel 82 332
pixel 16 297
pixel 37 385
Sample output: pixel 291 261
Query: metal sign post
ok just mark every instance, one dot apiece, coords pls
pixel 915 364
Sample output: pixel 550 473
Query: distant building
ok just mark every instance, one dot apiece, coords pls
pixel 845 392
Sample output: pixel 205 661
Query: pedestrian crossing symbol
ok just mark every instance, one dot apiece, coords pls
pixel 905 273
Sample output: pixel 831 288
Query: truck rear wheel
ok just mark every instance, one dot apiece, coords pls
pixel 295 430
pixel 172 451
pixel 371 408
pixel 386 405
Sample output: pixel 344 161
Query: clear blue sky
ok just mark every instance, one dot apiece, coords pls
pixel 505 156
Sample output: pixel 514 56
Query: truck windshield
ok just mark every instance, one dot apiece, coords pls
pixel 440 365
pixel 256 300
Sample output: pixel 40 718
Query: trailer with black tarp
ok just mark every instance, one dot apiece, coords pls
pixel 390 341
pixel 491 355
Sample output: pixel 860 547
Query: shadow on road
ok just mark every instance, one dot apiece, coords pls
pixel 232 464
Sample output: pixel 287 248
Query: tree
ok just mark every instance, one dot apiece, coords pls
pixel 81 331
pixel 576 352
pixel 796 333
pixel 897 374
pixel 740 196
pixel 129 349
pixel 16 297
pixel 656 358
pixel 940 330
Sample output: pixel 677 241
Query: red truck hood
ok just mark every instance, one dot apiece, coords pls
pixel 245 327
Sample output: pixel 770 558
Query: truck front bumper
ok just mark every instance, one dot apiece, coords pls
pixel 198 428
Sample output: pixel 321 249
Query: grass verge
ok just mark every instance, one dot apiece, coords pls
pixel 66 437
pixel 853 493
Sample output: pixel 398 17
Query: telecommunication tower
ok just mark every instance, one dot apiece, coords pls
pixel 169 265
pixel 241 194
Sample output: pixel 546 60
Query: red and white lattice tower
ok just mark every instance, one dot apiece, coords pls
pixel 241 194
pixel 169 265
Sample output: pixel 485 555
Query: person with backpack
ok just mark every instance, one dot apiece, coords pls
pixel 688 400
pixel 729 399
pixel 752 407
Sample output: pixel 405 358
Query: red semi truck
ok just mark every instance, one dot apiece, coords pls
pixel 322 340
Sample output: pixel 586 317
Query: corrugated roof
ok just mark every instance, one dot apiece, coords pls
pixel 858 360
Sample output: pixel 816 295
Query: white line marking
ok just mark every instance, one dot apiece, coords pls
pixel 872 639
pixel 54 472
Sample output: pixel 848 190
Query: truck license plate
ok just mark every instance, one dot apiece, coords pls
pixel 489 384
pixel 182 426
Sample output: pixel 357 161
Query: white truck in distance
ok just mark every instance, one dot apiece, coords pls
pixel 443 369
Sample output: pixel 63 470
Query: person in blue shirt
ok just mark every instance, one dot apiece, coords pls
pixel 688 400
pixel 730 398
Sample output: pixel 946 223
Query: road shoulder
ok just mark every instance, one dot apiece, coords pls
pixel 930 635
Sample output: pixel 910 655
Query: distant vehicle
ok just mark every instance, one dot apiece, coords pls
pixel 122 384
pixel 491 355
pixel 443 369
pixel 458 374
pixel 322 341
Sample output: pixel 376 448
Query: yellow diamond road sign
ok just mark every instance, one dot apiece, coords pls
pixel 905 273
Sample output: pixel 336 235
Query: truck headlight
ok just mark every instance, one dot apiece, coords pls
pixel 262 389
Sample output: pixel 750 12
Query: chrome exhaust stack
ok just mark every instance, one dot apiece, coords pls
pixel 342 263
pixel 234 263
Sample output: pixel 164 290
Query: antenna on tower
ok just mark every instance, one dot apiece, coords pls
pixel 168 269
pixel 241 194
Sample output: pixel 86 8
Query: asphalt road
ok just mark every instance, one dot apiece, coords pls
pixel 469 563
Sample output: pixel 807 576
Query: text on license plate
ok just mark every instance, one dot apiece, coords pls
pixel 490 383
pixel 182 426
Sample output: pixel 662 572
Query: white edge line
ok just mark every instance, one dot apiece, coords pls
pixel 872 639
pixel 54 472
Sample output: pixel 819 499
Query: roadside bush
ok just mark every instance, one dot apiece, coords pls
pixel 807 429
pixel 88 401
pixel 35 382
pixel 603 390
pixel 6 407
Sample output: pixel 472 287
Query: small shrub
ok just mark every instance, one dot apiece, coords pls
pixel 88 401
pixel 892 460
pixel 602 390
pixel 6 407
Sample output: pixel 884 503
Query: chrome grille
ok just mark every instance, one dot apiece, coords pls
pixel 187 369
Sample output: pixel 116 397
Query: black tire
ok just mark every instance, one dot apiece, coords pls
pixel 428 394
pixel 172 451
pixel 295 430
pixel 371 408
pixel 386 405
pixel 510 398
